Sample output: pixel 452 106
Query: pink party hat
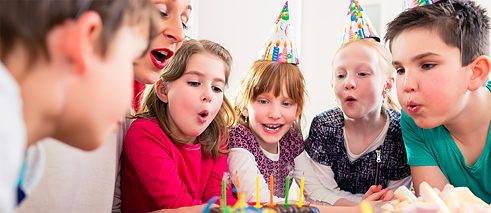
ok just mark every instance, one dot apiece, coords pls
pixel 408 4
pixel 280 46
pixel 358 25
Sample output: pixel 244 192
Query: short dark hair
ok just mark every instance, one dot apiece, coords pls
pixel 28 21
pixel 459 23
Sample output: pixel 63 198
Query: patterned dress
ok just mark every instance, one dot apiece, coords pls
pixel 291 145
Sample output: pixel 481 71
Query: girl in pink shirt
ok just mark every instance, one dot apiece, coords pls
pixel 173 152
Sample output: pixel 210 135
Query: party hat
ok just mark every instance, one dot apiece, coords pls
pixel 280 46
pixel 357 24
pixel 408 4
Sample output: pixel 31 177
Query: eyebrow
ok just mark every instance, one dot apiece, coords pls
pixel 200 74
pixel 417 57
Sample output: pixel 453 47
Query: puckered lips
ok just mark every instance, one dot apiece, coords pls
pixel 160 57
pixel 350 100
pixel 202 116
pixel 413 107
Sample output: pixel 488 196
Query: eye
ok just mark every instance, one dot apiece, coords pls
pixel 262 101
pixel 287 103
pixel 217 89
pixel 184 22
pixel 163 14
pixel 339 76
pixel 400 70
pixel 193 83
pixel 363 74
pixel 428 66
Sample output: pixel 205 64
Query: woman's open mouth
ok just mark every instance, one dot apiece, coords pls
pixel 160 57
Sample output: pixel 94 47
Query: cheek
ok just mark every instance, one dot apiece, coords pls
pixel 218 103
pixel 338 89
pixel 291 115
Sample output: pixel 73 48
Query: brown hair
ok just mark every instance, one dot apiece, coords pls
pixel 453 20
pixel 215 137
pixel 386 64
pixel 28 21
pixel 268 76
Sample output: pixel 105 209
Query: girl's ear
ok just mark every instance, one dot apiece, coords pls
pixel 245 112
pixel 82 42
pixel 479 72
pixel 388 85
pixel 161 91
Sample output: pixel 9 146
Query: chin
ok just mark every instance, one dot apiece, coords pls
pixel 425 124
pixel 148 78
pixel 84 142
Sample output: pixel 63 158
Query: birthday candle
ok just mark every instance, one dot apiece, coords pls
pixel 258 201
pixel 300 198
pixel 271 189
pixel 224 191
pixel 366 207
pixel 237 186
pixel 287 189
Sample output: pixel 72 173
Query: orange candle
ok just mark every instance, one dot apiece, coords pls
pixel 271 190
pixel 237 185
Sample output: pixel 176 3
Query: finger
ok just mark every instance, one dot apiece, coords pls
pixel 375 196
pixel 389 195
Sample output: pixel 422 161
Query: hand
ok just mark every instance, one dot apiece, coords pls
pixel 376 193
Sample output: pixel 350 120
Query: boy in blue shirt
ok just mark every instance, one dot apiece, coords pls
pixel 440 55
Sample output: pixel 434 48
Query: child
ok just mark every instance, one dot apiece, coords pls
pixel 440 54
pixel 358 147
pixel 60 65
pixel 269 105
pixel 268 138
pixel 174 16
pixel 173 153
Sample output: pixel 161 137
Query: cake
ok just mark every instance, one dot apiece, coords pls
pixel 267 209
pixel 450 200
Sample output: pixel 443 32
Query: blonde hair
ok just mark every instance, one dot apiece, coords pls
pixel 268 76
pixel 215 137
pixel 384 54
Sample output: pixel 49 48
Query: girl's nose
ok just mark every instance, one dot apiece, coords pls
pixel 350 84
pixel 206 96
pixel 274 113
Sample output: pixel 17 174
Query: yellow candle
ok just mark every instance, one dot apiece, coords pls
pixel 258 201
pixel 300 198
pixel 366 207
pixel 271 189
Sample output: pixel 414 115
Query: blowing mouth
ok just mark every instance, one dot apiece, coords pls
pixel 350 98
pixel 203 114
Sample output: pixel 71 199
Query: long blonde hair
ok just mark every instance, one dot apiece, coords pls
pixel 266 76
pixel 389 102
pixel 215 137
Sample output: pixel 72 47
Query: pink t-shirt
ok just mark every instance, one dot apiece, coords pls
pixel 157 174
